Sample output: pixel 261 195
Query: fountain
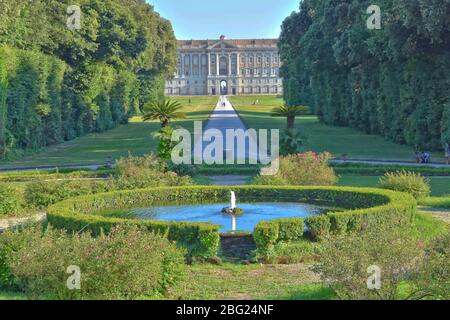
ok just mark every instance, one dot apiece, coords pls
pixel 233 211
pixel 233 200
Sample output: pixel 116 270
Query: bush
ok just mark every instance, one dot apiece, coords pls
pixel 266 236
pixel 144 172
pixel 432 279
pixel 300 251
pixel 126 264
pixel 410 182
pixel 43 193
pixel 183 169
pixel 345 260
pixel 369 209
pixel 10 201
pixel 131 173
pixel 269 233
pixel 307 169
pixel 438 202
pixel 407 270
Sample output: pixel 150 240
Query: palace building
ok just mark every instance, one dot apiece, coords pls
pixel 226 67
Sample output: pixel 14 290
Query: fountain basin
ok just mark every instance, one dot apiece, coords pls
pixel 253 213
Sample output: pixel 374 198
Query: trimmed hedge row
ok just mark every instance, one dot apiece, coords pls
pixel 269 233
pixel 365 206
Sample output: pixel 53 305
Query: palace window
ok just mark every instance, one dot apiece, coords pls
pixel 223 66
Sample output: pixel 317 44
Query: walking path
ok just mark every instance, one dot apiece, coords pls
pixel 225 117
pixel 15 222
pixel 229 180
pixel 392 162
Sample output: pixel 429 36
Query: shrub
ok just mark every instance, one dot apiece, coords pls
pixel 300 251
pixel 42 193
pixel 10 201
pixel 345 260
pixel 307 169
pixel 319 226
pixel 183 169
pixel 290 229
pixel 266 236
pixel 432 279
pixel 126 264
pixel 438 202
pixel 410 182
pixel 269 233
pixel 146 171
pixel 369 208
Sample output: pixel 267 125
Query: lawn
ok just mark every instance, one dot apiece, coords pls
pixel 439 185
pixel 7 295
pixel 134 137
pixel 320 137
pixel 247 282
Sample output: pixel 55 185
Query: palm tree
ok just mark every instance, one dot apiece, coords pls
pixel 290 112
pixel 164 111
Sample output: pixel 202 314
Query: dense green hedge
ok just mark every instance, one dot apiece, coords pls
pixel 268 233
pixel 365 206
pixel 379 169
pixel 392 82
pixel 58 84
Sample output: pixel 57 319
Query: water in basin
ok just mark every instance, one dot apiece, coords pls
pixel 253 213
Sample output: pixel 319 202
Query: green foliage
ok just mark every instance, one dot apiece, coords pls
pixel 42 193
pixel 300 251
pixel 364 208
pixel 126 264
pixel 302 169
pixel 437 202
pixel 392 82
pixel 10 201
pixel 60 84
pixel 369 211
pixel 379 170
pixel 269 233
pixel 290 112
pixel 165 145
pixel 266 236
pixel 291 142
pixel 183 169
pixel 164 111
pixel 410 182
pixel 407 270
pixel 130 173
pixel 146 171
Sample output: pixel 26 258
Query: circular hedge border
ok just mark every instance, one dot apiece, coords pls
pixel 363 207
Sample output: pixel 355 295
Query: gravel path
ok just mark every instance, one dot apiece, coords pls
pixel 15 222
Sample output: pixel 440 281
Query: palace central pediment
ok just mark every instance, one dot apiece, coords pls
pixel 222 44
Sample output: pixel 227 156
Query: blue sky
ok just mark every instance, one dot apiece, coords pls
pixel 208 19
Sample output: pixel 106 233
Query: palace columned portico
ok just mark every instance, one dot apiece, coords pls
pixel 227 67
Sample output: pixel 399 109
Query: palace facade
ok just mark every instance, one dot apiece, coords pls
pixel 226 67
